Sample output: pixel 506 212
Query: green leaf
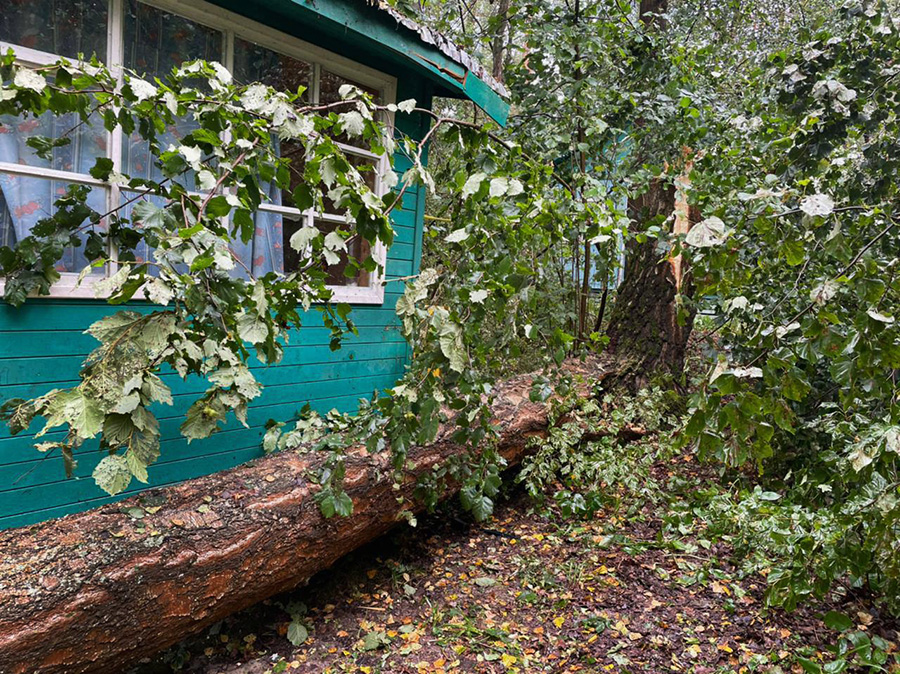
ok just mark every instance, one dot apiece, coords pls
pixel 452 346
pixel 151 215
pixel 374 640
pixel 794 252
pixel 297 633
pixel 343 504
pixel 838 621
pixel 303 237
pixel 252 328
pixel 706 233
pixel 112 474
pixel 102 168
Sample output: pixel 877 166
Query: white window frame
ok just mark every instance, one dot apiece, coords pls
pixel 231 25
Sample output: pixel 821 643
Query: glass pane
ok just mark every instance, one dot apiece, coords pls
pixel 24 201
pixel 292 258
pixel 330 85
pixel 155 43
pixel 359 249
pixel 263 253
pixel 367 171
pixel 253 63
pixel 63 28
pixel 329 92
pixel 88 141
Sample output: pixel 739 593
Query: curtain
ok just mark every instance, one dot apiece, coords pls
pixel 25 200
pixel 67 29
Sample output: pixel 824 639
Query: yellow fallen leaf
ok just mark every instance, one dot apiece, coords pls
pixel 718 588
pixel 508 660
pixel 559 621
pixel 726 648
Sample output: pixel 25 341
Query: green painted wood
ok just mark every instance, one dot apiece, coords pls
pixel 42 345
pixel 65 368
pixel 34 343
pixel 41 470
pixel 186 391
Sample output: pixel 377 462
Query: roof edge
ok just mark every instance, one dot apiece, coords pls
pixel 446 46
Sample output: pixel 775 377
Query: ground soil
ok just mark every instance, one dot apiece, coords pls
pixel 528 591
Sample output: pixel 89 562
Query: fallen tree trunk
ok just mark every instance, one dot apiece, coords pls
pixel 99 590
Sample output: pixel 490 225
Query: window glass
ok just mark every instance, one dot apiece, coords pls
pixel 292 258
pixel 330 86
pixel 64 28
pixel 329 92
pixel 266 252
pixel 88 140
pixel 155 43
pixel 358 248
pixel 367 171
pixel 25 201
pixel 253 63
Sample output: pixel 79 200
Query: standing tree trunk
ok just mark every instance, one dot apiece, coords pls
pixel 646 333
pixel 500 40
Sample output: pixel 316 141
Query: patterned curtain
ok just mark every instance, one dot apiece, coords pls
pixel 155 43
pixel 26 200
pixel 67 29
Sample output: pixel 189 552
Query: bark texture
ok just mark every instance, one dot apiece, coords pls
pixel 98 591
pixel 644 331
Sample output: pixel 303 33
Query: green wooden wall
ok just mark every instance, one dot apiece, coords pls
pixel 42 345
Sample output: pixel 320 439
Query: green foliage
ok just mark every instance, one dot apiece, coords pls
pixel 214 316
pixel 466 317
pixel 806 294
pixel 587 461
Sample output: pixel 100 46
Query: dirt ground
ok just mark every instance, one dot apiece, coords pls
pixel 528 591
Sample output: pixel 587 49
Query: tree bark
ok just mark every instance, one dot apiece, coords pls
pixel 500 40
pixel 645 333
pixel 98 591
pixel 651 13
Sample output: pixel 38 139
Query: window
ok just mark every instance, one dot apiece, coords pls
pixel 152 38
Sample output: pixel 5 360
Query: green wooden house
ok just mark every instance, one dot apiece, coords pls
pixel 320 44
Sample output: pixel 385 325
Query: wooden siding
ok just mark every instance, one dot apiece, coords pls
pixel 42 345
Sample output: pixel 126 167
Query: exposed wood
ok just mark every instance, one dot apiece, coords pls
pixel 97 591
pixel 682 214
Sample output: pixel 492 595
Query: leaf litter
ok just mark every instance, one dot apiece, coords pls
pixel 527 591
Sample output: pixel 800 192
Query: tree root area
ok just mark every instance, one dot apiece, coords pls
pixel 528 591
